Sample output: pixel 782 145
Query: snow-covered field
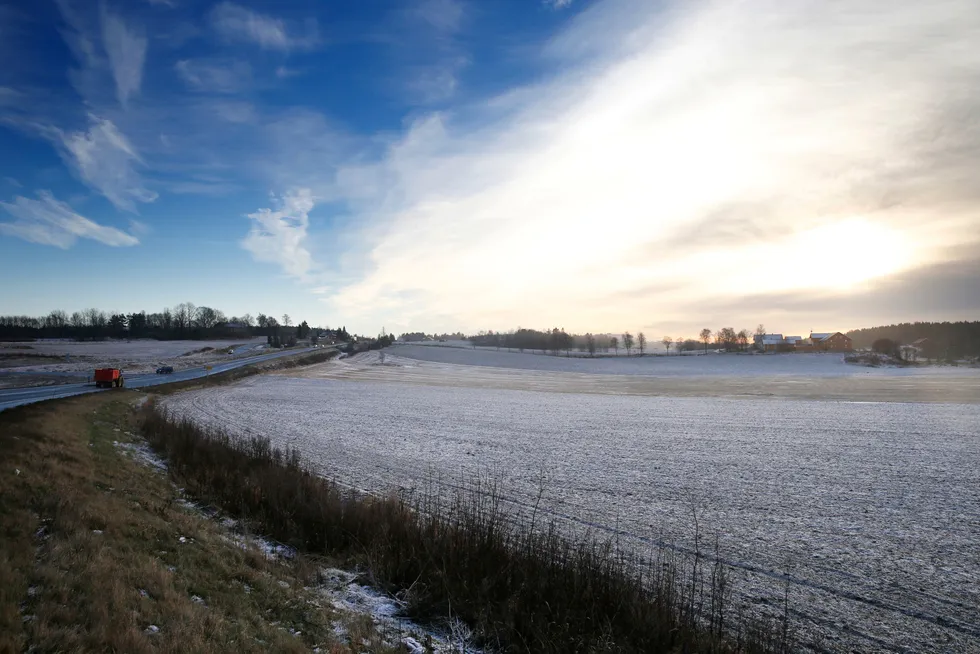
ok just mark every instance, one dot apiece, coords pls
pixel 134 357
pixel 789 376
pixel 740 365
pixel 869 511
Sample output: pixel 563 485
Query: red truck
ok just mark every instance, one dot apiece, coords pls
pixel 109 378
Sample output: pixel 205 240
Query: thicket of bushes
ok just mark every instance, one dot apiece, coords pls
pixel 519 584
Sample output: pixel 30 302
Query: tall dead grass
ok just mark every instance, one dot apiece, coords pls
pixel 521 586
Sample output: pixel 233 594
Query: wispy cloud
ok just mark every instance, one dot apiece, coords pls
pixel 126 49
pixel 104 159
pixel 49 222
pixel 217 76
pixel 238 24
pixel 558 4
pixel 840 130
pixel 428 47
pixel 279 237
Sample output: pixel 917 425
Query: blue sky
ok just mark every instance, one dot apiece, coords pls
pixel 444 164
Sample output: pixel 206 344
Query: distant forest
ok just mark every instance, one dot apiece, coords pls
pixel 182 322
pixel 948 340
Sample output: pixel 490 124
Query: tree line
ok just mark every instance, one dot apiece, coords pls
pixel 947 340
pixel 182 322
pixel 557 340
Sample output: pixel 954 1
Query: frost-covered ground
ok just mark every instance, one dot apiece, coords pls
pixel 744 365
pixel 870 512
pixel 134 357
pixel 790 376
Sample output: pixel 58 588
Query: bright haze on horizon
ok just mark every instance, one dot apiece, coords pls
pixel 442 165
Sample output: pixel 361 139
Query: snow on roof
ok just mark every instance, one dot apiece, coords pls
pixel 920 341
pixel 821 336
pixel 772 339
pixel 794 338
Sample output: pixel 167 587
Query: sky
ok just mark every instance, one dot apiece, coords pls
pixel 443 165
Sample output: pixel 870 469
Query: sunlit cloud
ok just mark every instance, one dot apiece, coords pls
pixel 47 221
pixel 214 76
pixel 238 24
pixel 795 148
pixel 103 158
pixel 126 48
pixel 279 236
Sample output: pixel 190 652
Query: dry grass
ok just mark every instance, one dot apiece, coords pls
pixel 91 556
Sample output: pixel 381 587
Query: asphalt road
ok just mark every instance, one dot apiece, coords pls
pixel 11 397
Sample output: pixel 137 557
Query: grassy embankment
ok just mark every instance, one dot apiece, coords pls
pixel 91 556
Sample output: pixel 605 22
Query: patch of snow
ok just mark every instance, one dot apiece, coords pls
pixel 142 453
pixel 343 591
pixel 152 629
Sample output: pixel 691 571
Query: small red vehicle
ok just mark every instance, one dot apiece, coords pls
pixel 109 378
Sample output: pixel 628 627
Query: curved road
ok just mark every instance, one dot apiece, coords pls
pixel 11 397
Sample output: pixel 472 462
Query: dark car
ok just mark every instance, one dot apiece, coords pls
pixel 165 370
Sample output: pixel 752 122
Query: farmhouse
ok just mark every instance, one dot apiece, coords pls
pixel 822 342
pixel 826 342
pixel 769 342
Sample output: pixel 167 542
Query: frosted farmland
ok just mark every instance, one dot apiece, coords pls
pixel 745 365
pixel 870 512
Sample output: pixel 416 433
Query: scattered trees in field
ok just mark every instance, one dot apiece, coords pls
pixel 743 339
pixel 628 343
pixel 641 342
pixel 590 344
pixel 614 344
pixel 705 338
pixel 667 341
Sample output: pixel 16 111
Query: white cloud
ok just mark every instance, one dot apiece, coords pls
pixel 105 160
pixel 214 76
pixel 126 49
pixel 283 72
pixel 279 237
pixel 597 200
pixel 558 4
pixel 50 222
pixel 239 24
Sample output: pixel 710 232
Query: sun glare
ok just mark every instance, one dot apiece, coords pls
pixel 844 254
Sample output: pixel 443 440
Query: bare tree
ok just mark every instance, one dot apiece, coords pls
pixel 206 317
pixel 628 343
pixel 614 344
pixel 247 320
pixel 705 337
pixel 641 342
pixel 57 319
pixel 743 339
pixel 677 343
pixel 667 341
pixel 285 320
pixel 590 344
